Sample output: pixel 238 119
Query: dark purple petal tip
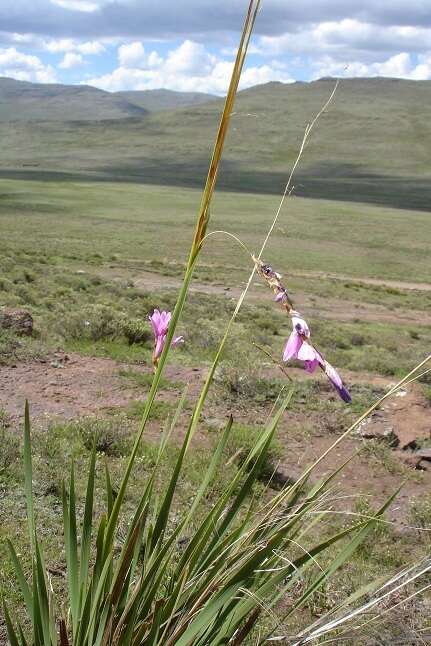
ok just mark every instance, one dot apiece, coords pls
pixel 344 394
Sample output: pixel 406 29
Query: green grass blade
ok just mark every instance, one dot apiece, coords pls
pixel 25 588
pixel 211 470
pixel 71 547
pixel 109 495
pixel 22 639
pixel 346 553
pixel 169 429
pixel 13 639
pixel 258 452
pixel 98 564
pixel 204 618
pixel 126 556
pixel 28 475
pixel 36 618
pixel 43 594
pixel 87 522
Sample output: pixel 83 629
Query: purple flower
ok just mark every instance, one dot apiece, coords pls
pixel 299 347
pixel 160 323
pixel 282 296
pixel 336 381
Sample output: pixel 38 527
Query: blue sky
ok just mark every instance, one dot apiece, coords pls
pixel 189 45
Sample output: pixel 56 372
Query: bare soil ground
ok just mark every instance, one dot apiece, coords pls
pixel 329 308
pixel 71 386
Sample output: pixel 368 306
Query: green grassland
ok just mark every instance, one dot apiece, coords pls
pixel 75 252
pixel 95 235
pixel 142 225
pixel 90 261
pixel 371 145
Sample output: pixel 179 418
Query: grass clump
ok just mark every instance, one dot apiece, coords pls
pixel 109 436
pixel 420 515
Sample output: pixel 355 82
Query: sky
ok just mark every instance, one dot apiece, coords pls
pixel 189 45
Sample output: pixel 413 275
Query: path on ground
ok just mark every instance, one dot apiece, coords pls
pixel 314 306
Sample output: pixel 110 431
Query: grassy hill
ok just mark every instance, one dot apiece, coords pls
pixel 154 100
pixel 372 145
pixel 20 100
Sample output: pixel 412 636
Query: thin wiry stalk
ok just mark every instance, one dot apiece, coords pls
pixel 407 379
pixel 405 578
pixel 288 188
pixel 286 193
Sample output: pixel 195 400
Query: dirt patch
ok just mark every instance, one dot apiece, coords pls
pixel 333 309
pixel 70 386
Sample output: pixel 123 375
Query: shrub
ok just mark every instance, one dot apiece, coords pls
pixel 137 331
pixel 107 435
pixel 91 322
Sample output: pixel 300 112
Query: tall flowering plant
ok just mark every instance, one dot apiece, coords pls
pixel 160 324
pixel 239 558
pixel 298 345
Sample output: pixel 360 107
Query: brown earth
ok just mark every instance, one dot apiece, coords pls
pixel 329 308
pixel 70 386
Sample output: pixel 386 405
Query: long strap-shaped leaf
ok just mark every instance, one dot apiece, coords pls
pixel 28 475
pixel 71 544
pixel 201 226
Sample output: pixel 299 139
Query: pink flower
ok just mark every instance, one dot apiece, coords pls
pixel 299 347
pixel 160 323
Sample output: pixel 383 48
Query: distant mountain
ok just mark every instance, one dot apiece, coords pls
pixel 154 100
pixel 23 101
pixel 372 144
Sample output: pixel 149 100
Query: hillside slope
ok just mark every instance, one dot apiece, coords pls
pixel 371 145
pixel 23 101
pixel 154 100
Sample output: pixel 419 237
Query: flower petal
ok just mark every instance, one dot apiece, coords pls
pixel 177 339
pixel 333 375
pixel 159 346
pixel 337 382
pixel 292 347
pixel 307 353
pixel 155 322
pixel 281 297
pixel 300 325
pixel 310 366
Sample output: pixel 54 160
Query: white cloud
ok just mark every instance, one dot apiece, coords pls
pixel 133 55
pixel 71 59
pixel 263 74
pixel 398 66
pixel 91 47
pixel 76 5
pixel 189 67
pixel 190 58
pixel 343 38
pixel 25 67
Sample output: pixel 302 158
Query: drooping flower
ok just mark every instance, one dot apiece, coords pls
pixel 160 323
pixel 298 346
pixel 337 382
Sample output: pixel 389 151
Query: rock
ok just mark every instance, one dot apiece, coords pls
pixel 20 321
pixel 424 454
pixel 381 432
pixel 412 460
